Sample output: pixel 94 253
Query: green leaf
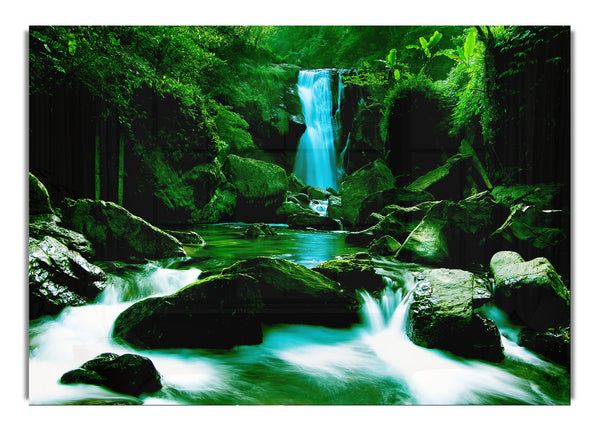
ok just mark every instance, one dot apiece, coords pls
pixel 433 40
pixel 423 43
pixel 450 53
pixel 391 57
pixel 397 74
pixel 72 45
pixel 412 47
pixel 470 44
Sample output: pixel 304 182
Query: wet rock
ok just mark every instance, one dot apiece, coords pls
pixel 352 274
pixel 39 199
pixel 441 315
pixel 307 220
pixel 127 374
pixel 400 196
pixel 228 309
pixel 317 193
pixel 41 226
pixel 384 246
pixel 260 187
pixel 357 187
pixel 116 233
pixel 454 233
pixel 554 344
pixel 221 206
pixel 540 228
pixel 257 230
pixel 59 277
pixel 189 238
pixel 531 292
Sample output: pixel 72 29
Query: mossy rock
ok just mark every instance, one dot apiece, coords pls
pixel 360 185
pixel 353 274
pixel 116 233
pixel 39 198
pixel 59 277
pixel 530 292
pixel 441 315
pixel 230 308
pixel 127 374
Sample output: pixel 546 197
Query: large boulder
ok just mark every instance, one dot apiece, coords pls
pixel 531 292
pixel 314 220
pixel 552 343
pixel 44 225
pixel 229 309
pixel 543 229
pixel 204 180
pixel 221 206
pixel 398 223
pixel 442 315
pixel 127 374
pixel 400 196
pixel 454 232
pixel 384 246
pixel 116 233
pixel 260 187
pixel 39 199
pixel 352 274
pixel 59 277
pixel 357 187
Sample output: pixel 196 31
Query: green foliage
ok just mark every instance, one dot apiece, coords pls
pixel 465 83
pixel 428 49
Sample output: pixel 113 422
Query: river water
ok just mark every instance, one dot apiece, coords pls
pixel 373 362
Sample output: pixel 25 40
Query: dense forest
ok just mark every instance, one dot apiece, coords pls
pixel 185 145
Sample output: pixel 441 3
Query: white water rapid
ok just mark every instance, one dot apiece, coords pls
pixel 371 363
pixel 315 158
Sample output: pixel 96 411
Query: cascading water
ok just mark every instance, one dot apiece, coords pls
pixel 315 159
pixel 371 363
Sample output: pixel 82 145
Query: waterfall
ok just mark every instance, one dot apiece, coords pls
pixel 315 158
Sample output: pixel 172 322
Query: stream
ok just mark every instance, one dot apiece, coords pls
pixel 372 362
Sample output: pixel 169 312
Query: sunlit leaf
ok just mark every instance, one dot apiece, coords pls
pixel 433 40
pixel 470 44
pixel 397 74
pixel 423 43
pixel 391 57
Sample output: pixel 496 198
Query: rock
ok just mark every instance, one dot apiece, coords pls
pixel 257 230
pixel 554 344
pixel 260 187
pixel 384 246
pixel 295 184
pixel 361 184
pixel 398 224
pixel 39 199
pixel 538 195
pixel 306 220
pixel 221 206
pixel 288 209
pixel 127 374
pixel 445 181
pixel 116 233
pixel 540 228
pixel 531 292
pixel 317 193
pixel 41 226
pixel 59 277
pixel 334 207
pixel 454 232
pixel 204 180
pixel 399 196
pixel 188 238
pixel 352 274
pixel 228 309
pixel 441 315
